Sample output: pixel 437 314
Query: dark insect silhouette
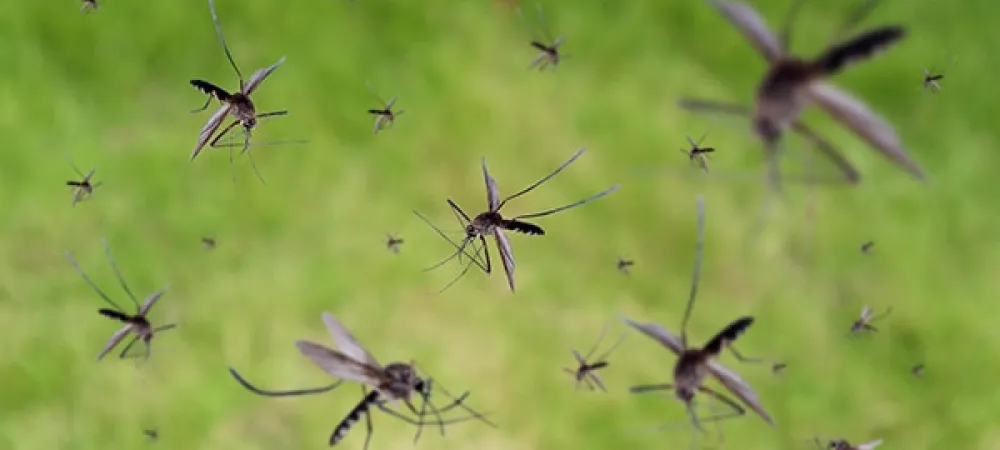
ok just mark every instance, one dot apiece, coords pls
pixel 792 84
pixel 137 323
pixel 867 247
pixel 843 444
pixel 586 371
pixel 88 6
pixel 393 243
pixel 152 434
pixel 392 383
pixel 917 369
pixel 384 117
pixel 695 364
pixel 933 78
pixel 208 242
pixel 624 265
pixel 778 368
pixel 548 53
pixel 698 154
pixel 84 187
pixel 237 104
pixel 493 223
pixel 864 323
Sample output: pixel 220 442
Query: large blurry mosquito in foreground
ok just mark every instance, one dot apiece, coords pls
pixel 493 223
pixel 585 372
pixel 548 53
pixel 791 84
pixel 843 444
pixel 695 364
pixel 136 323
pixel 84 187
pixel 237 104
pixel 864 322
pixel 384 117
pixel 392 383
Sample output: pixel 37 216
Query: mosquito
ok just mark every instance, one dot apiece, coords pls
pixel 384 117
pixel 392 383
pixel 843 444
pixel 867 247
pixel 208 242
pixel 548 53
pixel 917 369
pixel 84 187
pixel 864 323
pixel 585 373
pixel 493 223
pixel 624 265
pixel 152 434
pixel 88 6
pixel 778 367
pixel 393 243
pixel 697 153
pixel 695 364
pixel 137 323
pixel 933 77
pixel 791 84
pixel 237 104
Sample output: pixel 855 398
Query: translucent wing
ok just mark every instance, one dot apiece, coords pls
pixel 870 445
pixel 658 333
pixel 753 27
pixel 337 364
pixel 506 255
pixel 259 76
pixel 739 388
pixel 346 341
pixel 853 114
pixel 210 127
pixel 492 192
pixel 151 300
pixel 115 339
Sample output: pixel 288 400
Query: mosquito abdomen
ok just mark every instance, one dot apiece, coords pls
pixel 859 48
pixel 107 312
pixel 523 227
pixel 353 417
pixel 211 89
pixel 728 335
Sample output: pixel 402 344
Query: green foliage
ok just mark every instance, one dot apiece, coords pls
pixel 110 89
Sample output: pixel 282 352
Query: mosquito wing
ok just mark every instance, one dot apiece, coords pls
pixel 866 313
pixel 739 388
pixel 492 192
pixel 115 340
pixel 863 122
pixel 259 76
pixel 346 342
pixel 659 334
pixel 338 364
pixel 869 445
pixel 210 128
pixel 506 255
pixel 753 27
pixel 151 300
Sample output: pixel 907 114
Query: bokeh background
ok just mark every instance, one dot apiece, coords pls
pixel 110 90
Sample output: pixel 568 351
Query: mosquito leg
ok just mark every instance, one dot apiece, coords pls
pixel 369 427
pixel 291 393
pixel 124 353
pixel 208 101
pixel 93 286
pixel 742 358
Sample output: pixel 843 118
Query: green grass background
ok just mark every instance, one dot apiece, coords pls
pixel 111 90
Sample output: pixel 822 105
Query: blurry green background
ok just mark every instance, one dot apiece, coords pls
pixel 111 90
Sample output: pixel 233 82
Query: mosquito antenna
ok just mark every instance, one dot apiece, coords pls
pixel 785 38
pixel 571 205
pixel 460 248
pixel 121 279
pixel 613 347
pixel 697 269
pixel 291 393
pixel 218 31
pixel 546 178
pixel 600 338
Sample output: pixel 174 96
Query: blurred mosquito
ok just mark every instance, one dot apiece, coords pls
pixel 137 323
pixel 392 383
pixel 917 369
pixel 208 242
pixel 697 153
pixel 384 117
pixel 843 444
pixel 778 367
pixel 934 76
pixel 695 364
pixel 152 434
pixel 585 373
pixel 88 6
pixel 549 53
pixel 493 223
pixel 84 187
pixel 624 265
pixel 867 247
pixel 237 104
pixel 393 243
pixel 791 84
pixel 864 323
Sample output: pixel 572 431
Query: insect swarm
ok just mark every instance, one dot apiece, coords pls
pixel 695 364
pixel 493 223
pixel 586 372
pixel 137 323
pixel 791 84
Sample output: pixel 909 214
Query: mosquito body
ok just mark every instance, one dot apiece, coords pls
pixel 698 154
pixel 586 371
pixel 931 80
pixel 84 187
pixel 694 365
pixel 393 243
pixel 384 117
pixel 843 444
pixel 492 222
pixel 864 323
pixel 137 323
pixel 624 265
pixel 237 104
pixel 791 84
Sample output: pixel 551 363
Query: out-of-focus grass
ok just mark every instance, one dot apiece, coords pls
pixel 111 90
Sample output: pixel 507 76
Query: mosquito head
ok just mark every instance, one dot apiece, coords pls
pixel 403 375
pixel 250 122
pixel 767 129
pixel 685 394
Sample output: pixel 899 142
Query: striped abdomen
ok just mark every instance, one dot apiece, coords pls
pixel 353 417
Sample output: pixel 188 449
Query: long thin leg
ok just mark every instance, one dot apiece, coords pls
pixel 290 393
pixel 118 274
pixel 571 205
pixel 785 38
pixel 544 179
pixel 91 283
pixel 369 426
pixel 222 40
pixel 612 348
pixel 460 249
pixel 742 358
pixel 696 276
pixel 161 328
pixel 600 338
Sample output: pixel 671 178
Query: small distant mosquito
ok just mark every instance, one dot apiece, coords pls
pixel 778 368
pixel 151 433
pixel 791 84
pixel 208 242
pixel 549 53
pixel 697 153
pixel 585 373
pixel 83 187
pixel 237 104
pixel 134 323
pixel 695 364
pixel 867 247
pixel 624 265
pixel 933 77
pixel 843 444
pixel 384 117
pixel 88 6
pixel 917 369
pixel 393 243
pixel 864 323
pixel 493 223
